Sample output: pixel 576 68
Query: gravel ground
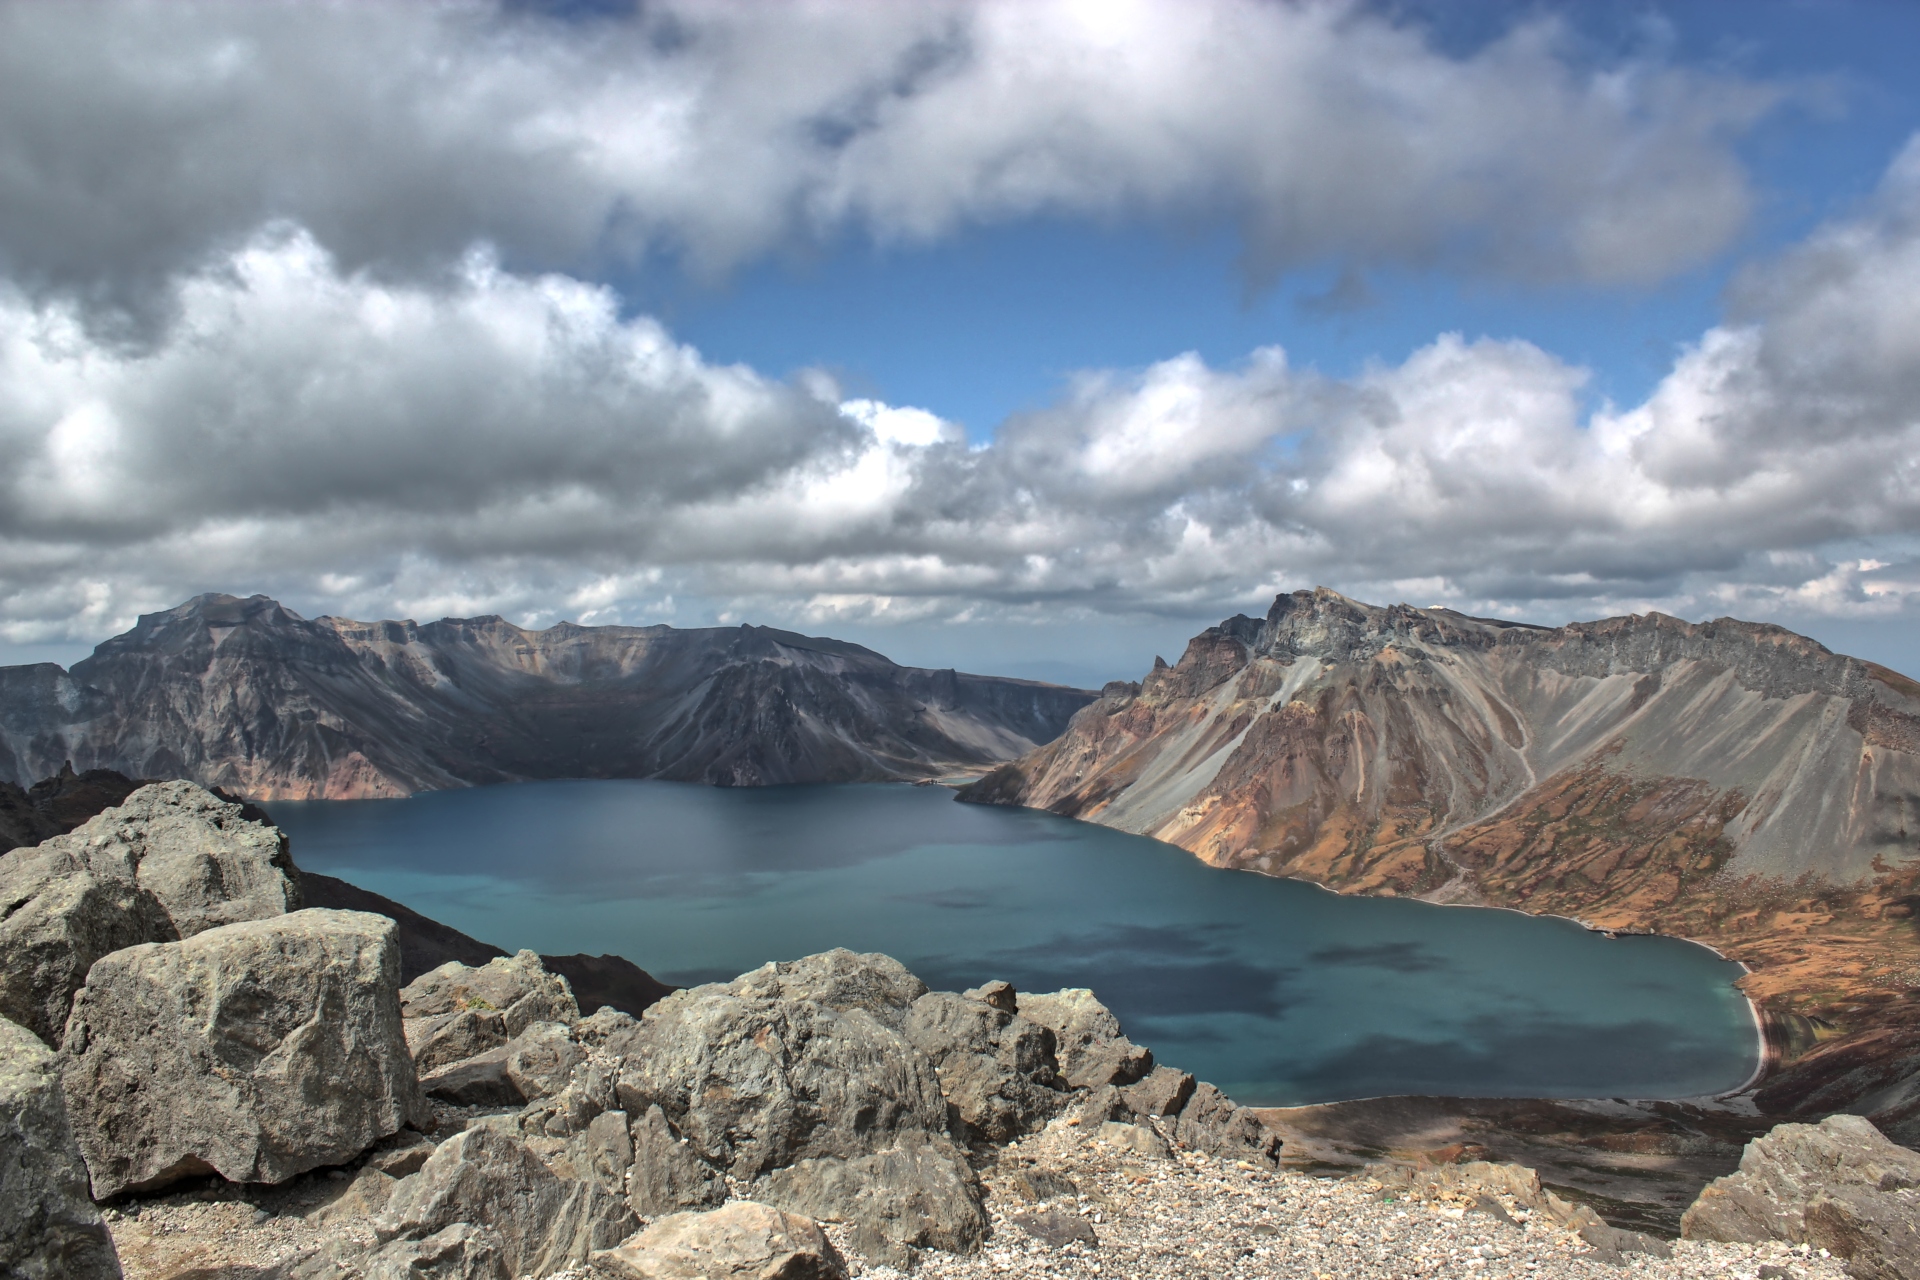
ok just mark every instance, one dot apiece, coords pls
pixel 1138 1218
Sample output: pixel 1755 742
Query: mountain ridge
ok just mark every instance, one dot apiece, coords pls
pixel 249 696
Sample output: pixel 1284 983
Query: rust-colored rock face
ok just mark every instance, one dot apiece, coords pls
pixel 1727 781
pixel 246 695
pixel 1409 750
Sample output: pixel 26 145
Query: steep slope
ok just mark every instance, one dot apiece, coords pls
pixel 1402 750
pixel 1726 781
pixel 247 695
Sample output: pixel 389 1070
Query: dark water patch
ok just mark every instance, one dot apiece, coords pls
pixel 1277 991
pixel 1396 957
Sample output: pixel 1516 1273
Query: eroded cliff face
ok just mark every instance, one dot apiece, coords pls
pixel 246 695
pixel 1614 764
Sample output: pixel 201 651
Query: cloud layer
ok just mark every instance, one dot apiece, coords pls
pixel 139 139
pixel 510 442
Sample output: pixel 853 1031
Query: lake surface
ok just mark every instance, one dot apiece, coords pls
pixel 1277 991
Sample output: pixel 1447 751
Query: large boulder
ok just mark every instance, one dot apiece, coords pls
pixel 256 1051
pixel 1087 1038
pixel 1839 1185
pixel 484 1176
pixel 919 1193
pixel 206 860
pixel 517 987
pixel 61 919
pixel 997 1069
pixel 49 1229
pixel 742 1241
pixel 171 861
pixel 786 1063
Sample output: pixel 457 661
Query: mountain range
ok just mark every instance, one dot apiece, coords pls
pixel 246 695
pixel 1726 781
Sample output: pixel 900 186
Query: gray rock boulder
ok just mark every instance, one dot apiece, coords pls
pixel 479 1081
pixel 839 979
pixel 171 861
pixel 60 919
pixel 256 1051
pixel 1164 1092
pixel 49 1229
pixel 757 1075
pixel 517 987
pixel 996 1068
pixel 541 1059
pixel 668 1175
pixel 1839 1185
pixel 741 1241
pixel 454 1037
pixel 541 1222
pixel 1214 1123
pixel 1087 1038
pixel 205 861
pixel 919 1193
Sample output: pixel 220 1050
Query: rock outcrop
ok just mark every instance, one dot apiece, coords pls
pixel 742 1241
pixel 256 1051
pixel 248 696
pixel 1839 1185
pixel 171 861
pixel 56 805
pixel 49 1229
pixel 486 1180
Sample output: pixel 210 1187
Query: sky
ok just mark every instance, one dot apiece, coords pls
pixel 1027 337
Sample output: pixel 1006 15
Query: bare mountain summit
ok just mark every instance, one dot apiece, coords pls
pixel 249 696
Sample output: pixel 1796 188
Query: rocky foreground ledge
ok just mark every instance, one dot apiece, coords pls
pixel 200 1080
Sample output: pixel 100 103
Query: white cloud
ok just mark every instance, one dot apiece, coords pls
pixel 484 440
pixel 136 139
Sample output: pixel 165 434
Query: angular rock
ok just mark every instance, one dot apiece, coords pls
pixel 997 1069
pixel 1211 1122
pixel 668 1175
pixel 517 987
pixel 1000 995
pixel 603 1154
pixel 1135 1139
pixel 454 1037
pixel 569 1112
pixel 58 919
pixel 49 1229
pixel 918 1194
pixel 1838 1185
pixel 605 1029
pixel 401 1154
pixel 480 1081
pixel 1087 1038
pixel 462 1251
pixel 171 861
pixel 366 1195
pixel 544 1223
pixel 839 979
pixel 256 1051
pixel 1056 1227
pixel 757 1077
pixel 1613 1239
pixel 205 860
pixel 541 1059
pixel 740 1241
pixel 1162 1093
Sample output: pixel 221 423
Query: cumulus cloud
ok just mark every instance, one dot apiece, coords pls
pixel 497 441
pixel 141 140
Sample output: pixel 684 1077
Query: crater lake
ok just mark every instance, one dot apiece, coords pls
pixel 1279 992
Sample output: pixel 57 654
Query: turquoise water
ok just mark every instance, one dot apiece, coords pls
pixel 1277 991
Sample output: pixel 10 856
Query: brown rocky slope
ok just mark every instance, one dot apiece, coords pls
pixel 1727 781
pixel 250 697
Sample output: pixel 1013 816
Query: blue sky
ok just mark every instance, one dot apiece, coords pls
pixel 1027 338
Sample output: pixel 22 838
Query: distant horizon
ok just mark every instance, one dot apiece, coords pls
pixel 1890 639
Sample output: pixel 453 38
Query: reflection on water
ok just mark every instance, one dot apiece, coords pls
pixel 1277 991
